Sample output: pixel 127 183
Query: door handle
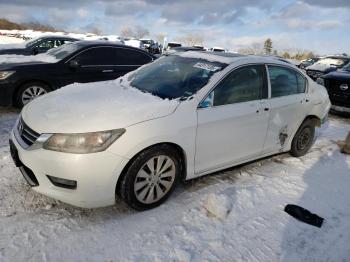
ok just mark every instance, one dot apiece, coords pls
pixel 266 109
pixel 306 100
pixel 107 71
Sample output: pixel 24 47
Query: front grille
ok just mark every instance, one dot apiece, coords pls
pixel 338 86
pixel 28 135
pixel 338 96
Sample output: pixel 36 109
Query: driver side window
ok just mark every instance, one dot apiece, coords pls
pixel 47 44
pixel 242 85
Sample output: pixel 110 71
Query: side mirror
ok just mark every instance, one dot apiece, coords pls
pixel 74 64
pixel 208 102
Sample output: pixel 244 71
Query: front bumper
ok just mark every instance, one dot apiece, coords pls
pixel 6 93
pixel 96 174
pixel 341 109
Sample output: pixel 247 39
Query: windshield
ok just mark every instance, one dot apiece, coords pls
pixel 332 61
pixel 33 41
pixel 63 51
pixel 174 76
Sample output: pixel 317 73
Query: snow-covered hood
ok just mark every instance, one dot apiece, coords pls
pixel 19 59
pixel 339 74
pixel 93 107
pixel 321 67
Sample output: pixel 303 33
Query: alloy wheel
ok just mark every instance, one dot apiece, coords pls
pixel 31 93
pixel 155 178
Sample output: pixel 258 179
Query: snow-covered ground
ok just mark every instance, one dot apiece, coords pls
pixel 10 40
pixel 235 215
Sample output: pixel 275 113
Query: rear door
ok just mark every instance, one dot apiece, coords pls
pixel 128 59
pixel 106 63
pixel 233 127
pixel 93 64
pixel 287 105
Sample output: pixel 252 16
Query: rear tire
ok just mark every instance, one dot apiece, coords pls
pixel 151 177
pixel 303 138
pixel 30 91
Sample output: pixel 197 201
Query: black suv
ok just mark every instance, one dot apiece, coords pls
pixel 326 65
pixel 36 46
pixel 338 87
pixel 81 62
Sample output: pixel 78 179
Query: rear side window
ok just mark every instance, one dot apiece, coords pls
pixel 97 56
pixel 285 81
pixel 62 42
pixel 301 83
pixel 242 85
pixel 125 56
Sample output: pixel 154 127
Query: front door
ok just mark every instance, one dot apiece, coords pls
pixel 233 128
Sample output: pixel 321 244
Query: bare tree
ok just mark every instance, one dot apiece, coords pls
pixel 247 51
pixel 96 31
pixel 160 38
pixel 286 55
pixel 257 48
pixel 140 32
pixel 126 32
pixel 190 39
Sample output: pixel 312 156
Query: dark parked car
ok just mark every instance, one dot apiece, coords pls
pixel 151 46
pixel 172 45
pixel 326 65
pixel 182 49
pixel 81 62
pixel 338 87
pixel 35 46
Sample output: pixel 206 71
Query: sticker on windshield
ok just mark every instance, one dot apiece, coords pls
pixel 208 67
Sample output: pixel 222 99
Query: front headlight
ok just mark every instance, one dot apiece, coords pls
pixel 5 74
pixel 83 143
pixel 320 81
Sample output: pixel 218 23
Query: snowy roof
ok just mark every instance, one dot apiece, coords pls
pixel 229 58
pixel 226 58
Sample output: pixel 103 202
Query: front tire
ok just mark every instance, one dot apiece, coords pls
pixel 151 177
pixel 303 139
pixel 30 91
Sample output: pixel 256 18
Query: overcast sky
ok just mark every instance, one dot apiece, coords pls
pixel 319 25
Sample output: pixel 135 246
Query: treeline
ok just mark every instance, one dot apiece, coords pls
pixel 8 25
pixel 266 48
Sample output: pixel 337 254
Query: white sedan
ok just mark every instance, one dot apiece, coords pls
pixel 180 117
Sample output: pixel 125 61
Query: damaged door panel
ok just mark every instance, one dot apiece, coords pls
pixel 283 135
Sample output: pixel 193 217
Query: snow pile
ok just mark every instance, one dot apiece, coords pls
pixel 218 205
pixel 10 40
pixel 40 58
pixel 134 43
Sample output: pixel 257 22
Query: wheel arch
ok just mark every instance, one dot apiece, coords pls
pixel 19 85
pixel 317 121
pixel 178 148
